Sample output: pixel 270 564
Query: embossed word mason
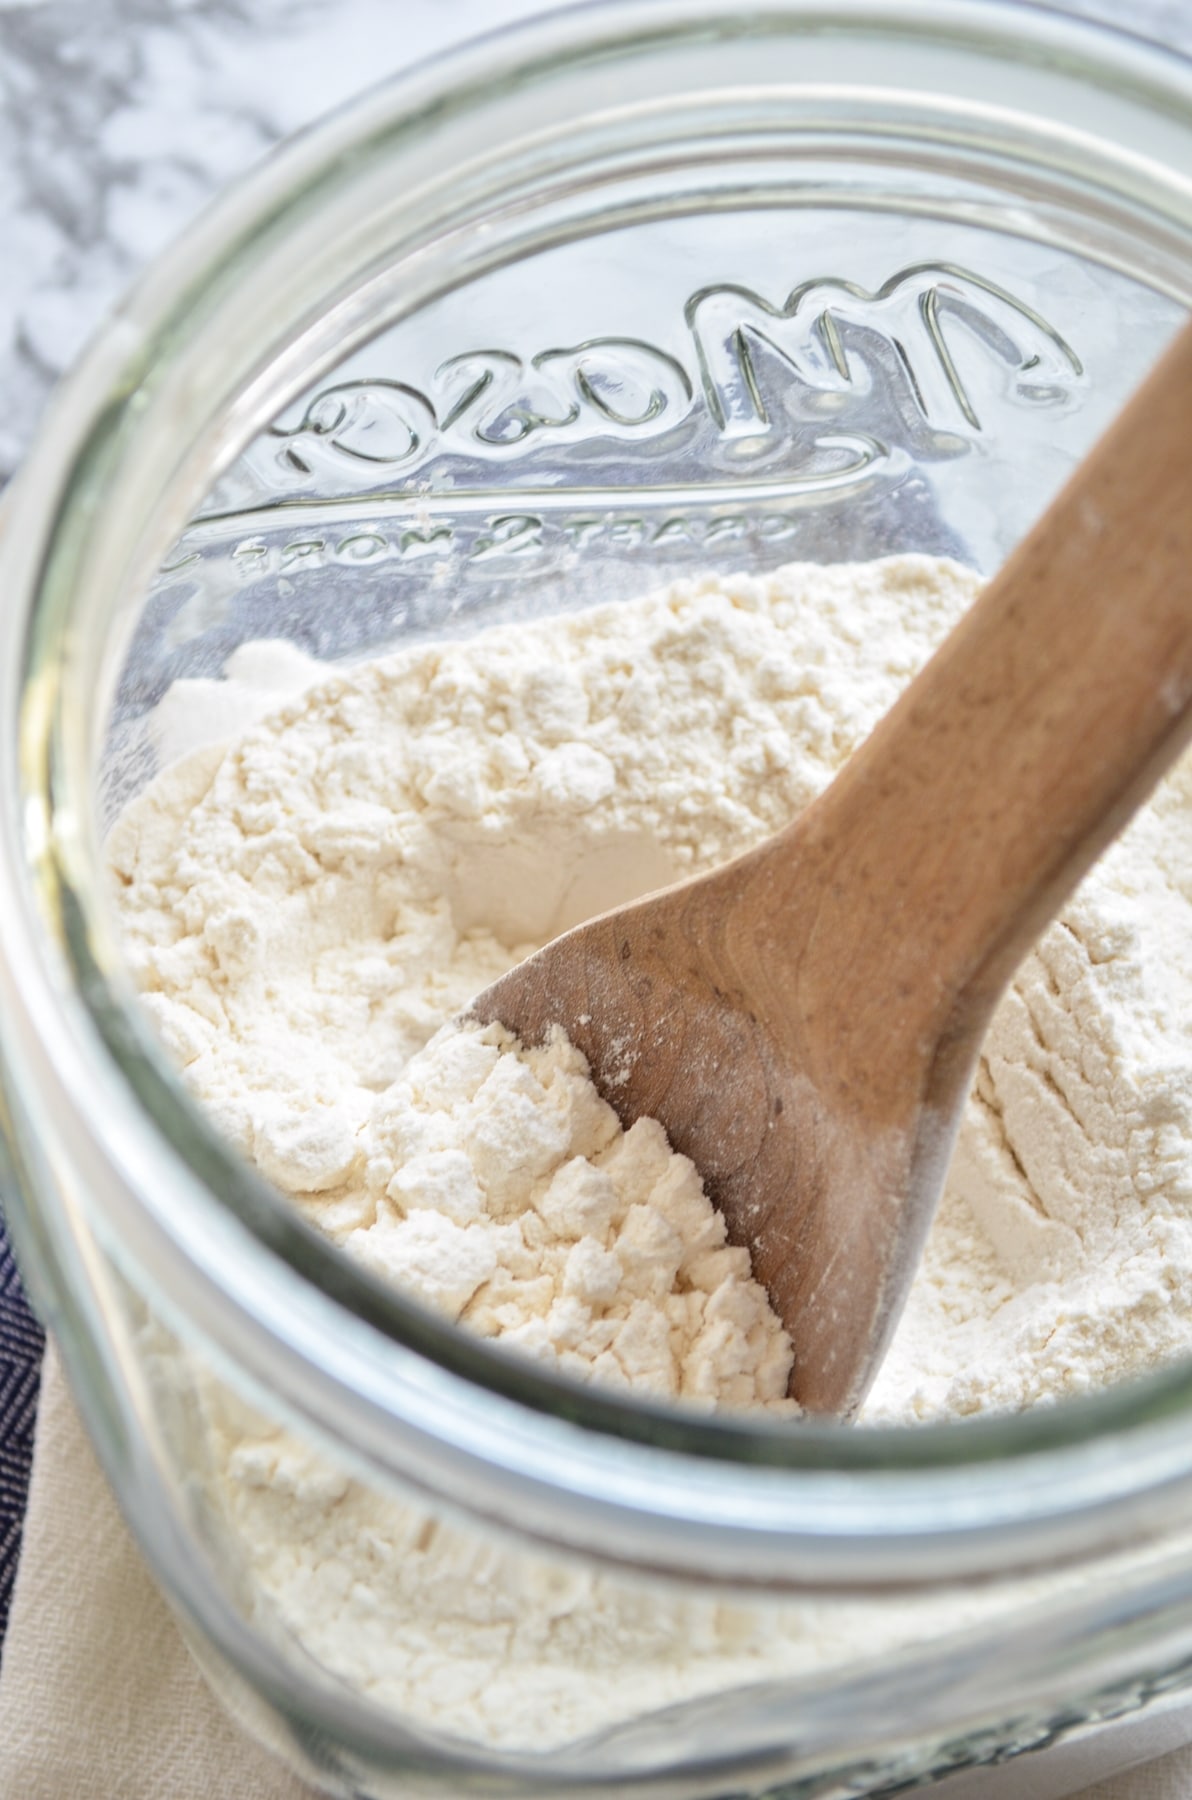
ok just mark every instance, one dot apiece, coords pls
pixel 761 375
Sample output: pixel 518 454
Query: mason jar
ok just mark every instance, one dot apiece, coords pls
pixel 623 294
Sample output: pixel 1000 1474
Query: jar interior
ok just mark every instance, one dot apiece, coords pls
pixel 722 318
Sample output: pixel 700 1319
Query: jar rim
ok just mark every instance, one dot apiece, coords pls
pixel 349 1355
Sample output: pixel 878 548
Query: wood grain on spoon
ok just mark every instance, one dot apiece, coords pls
pixel 805 1020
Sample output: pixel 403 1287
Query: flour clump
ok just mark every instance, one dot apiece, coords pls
pixel 519 1207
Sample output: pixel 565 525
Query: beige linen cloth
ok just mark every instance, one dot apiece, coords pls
pixel 99 1699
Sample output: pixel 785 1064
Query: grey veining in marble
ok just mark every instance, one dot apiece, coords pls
pixel 119 119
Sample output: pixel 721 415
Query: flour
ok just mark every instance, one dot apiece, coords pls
pixel 517 1205
pixel 1062 1256
pixel 305 911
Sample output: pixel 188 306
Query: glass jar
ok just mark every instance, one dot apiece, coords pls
pixel 623 294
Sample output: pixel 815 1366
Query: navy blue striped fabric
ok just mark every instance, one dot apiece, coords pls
pixel 21 1345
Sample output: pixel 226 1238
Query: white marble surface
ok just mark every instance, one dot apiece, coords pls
pixel 119 119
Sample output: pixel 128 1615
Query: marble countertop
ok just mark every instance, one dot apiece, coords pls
pixel 119 119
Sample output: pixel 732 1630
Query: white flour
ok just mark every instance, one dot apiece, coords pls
pixel 1062 1256
pixel 304 912
pixel 514 1202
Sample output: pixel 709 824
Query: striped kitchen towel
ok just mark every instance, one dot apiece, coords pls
pixel 21 1345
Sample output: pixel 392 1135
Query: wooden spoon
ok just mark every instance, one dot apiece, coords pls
pixel 805 1020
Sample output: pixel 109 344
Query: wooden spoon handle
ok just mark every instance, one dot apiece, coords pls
pixel 1020 750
